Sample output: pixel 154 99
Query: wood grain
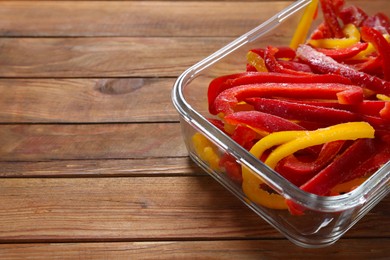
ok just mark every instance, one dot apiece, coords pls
pixel 133 18
pixel 93 141
pixel 226 249
pixel 157 166
pixel 86 100
pixel 103 57
pixel 134 209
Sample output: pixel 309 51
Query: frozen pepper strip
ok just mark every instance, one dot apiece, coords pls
pixel 252 184
pixel 336 172
pixel 303 28
pixel 344 53
pixel 345 131
pixel 298 111
pixel 300 171
pixel 377 160
pixel 262 123
pixel 273 65
pixel 227 100
pixel 330 18
pixel 224 82
pixel 381 45
pixel 323 64
pixel 256 61
pixel 352 37
pixel 339 170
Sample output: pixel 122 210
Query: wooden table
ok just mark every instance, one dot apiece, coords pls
pixel 93 165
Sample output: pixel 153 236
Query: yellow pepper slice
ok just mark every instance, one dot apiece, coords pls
pixel 369 50
pixel 289 142
pixel 345 131
pixel 352 36
pixel 303 28
pixel 347 186
pixel 256 61
pixel 205 149
pixel 251 186
pixel 383 97
pixel 251 182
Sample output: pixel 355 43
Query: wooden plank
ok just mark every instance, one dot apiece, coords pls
pixel 133 18
pixel 102 168
pixel 93 141
pixel 103 57
pixel 134 209
pixel 86 100
pixel 226 249
pixel 140 18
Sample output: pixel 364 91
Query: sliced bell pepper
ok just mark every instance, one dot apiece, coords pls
pixel 381 45
pixel 273 65
pixel 321 32
pixel 232 169
pixel 299 111
pixel 371 65
pixel 330 18
pixel 206 150
pixel 262 123
pixel 339 170
pixel 303 28
pixel 323 64
pixel 346 187
pixel 336 172
pixel 299 171
pixel 256 61
pixel 353 14
pixel 379 22
pixel 251 78
pixel 296 66
pixel 222 83
pixel 371 165
pixel 352 37
pixel 255 190
pixel 383 97
pixel 252 185
pixel 283 53
pixel 345 131
pixel 227 100
pixel 342 54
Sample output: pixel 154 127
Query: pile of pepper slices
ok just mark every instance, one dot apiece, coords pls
pixel 317 111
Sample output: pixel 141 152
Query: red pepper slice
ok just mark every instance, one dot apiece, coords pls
pixel 273 65
pixel 231 167
pixel 299 111
pixel 222 83
pixel 298 171
pixel 377 122
pixel 344 53
pixel 330 18
pixel 295 66
pixel 372 66
pixel 353 14
pixel 347 94
pixel 381 45
pixel 244 136
pixel 283 53
pixel 340 169
pixel 337 172
pixel 379 22
pixel 371 165
pixel 261 121
pixel 324 64
pixel 321 32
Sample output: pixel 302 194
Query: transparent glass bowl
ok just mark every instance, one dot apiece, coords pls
pixel 325 219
